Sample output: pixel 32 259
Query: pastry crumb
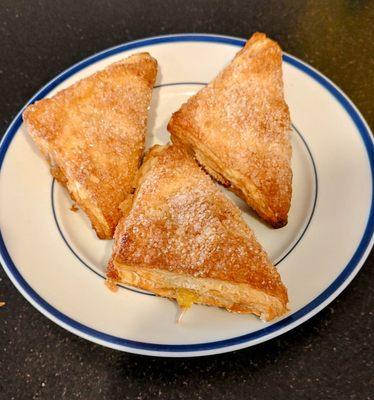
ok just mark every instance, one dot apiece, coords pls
pixel 111 285
pixel 74 208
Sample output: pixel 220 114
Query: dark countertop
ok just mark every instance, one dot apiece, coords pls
pixel 328 357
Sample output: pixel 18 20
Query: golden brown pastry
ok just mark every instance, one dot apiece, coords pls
pixel 180 237
pixel 238 129
pixel 93 136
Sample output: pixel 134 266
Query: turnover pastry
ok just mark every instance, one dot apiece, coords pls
pixel 238 128
pixel 181 238
pixel 93 136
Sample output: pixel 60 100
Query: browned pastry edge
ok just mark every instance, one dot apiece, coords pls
pixel 215 172
pixel 238 298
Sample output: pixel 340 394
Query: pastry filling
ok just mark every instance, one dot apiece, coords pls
pixel 186 297
pixel 237 297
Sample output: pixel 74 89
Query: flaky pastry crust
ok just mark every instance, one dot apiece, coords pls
pixel 93 136
pixel 181 232
pixel 238 127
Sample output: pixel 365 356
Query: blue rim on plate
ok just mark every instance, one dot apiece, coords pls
pixel 273 330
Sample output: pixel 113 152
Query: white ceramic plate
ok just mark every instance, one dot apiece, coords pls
pixel 55 260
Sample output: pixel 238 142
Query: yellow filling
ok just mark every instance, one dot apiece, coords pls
pixel 186 298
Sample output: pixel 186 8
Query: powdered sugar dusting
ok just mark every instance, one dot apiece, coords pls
pixel 181 221
pixel 93 133
pixel 242 118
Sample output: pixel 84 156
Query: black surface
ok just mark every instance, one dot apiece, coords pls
pixel 330 356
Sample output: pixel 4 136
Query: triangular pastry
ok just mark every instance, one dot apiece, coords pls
pixel 180 237
pixel 238 128
pixel 93 136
